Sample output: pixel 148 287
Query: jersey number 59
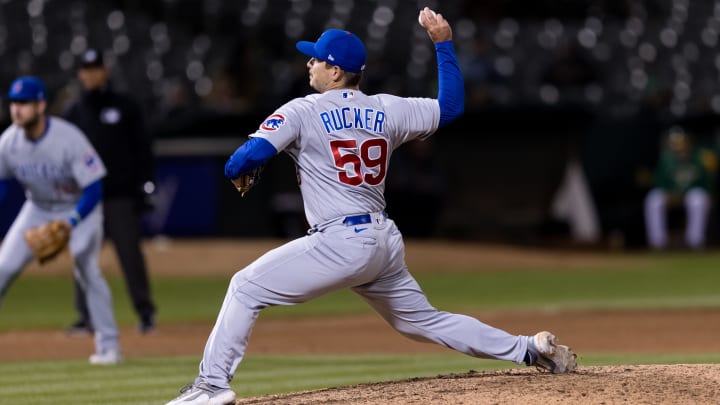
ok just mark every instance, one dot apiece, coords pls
pixel 373 156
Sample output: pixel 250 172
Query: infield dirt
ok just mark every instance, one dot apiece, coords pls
pixel 606 331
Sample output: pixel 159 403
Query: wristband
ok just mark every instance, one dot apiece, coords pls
pixel 74 218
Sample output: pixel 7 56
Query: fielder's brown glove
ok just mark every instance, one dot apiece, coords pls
pixel 246 181
pixel 47 241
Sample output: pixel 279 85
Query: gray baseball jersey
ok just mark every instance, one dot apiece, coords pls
pixel 341 142
pixel 53 170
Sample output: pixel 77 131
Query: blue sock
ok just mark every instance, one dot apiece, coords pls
pixel 528 358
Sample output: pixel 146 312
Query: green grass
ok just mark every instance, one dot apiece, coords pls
pixel 155 380
pixel 655 281
pixel 47 302
pixel 648 281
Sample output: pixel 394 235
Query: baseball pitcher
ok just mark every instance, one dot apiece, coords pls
pixel 341 140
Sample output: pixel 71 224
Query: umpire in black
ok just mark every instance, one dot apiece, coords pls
pixel 114 124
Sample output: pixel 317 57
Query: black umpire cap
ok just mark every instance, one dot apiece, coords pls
pixel 91 58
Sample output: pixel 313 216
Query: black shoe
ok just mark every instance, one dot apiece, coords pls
pixel 80 327
pixel 147 324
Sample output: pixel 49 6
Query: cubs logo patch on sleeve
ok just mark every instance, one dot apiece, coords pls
pixel 273 122
pixel 91 161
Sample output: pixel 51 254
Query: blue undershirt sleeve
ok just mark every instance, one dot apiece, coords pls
pixel 91 196
pixel 249 156
pixel 451 88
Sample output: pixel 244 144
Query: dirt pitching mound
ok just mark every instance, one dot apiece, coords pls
pixel 645 384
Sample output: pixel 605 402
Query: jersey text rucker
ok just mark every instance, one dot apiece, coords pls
pixel 346 138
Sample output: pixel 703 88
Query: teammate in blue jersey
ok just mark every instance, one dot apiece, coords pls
pixel 62 176
pixel 342 164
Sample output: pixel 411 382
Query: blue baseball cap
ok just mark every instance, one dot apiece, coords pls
pixel 337 47
pixel 27 88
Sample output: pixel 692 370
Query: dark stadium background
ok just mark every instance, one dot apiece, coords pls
pixel 547 83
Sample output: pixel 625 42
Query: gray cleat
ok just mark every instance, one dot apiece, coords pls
pixel 201 393
pixel 549 355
